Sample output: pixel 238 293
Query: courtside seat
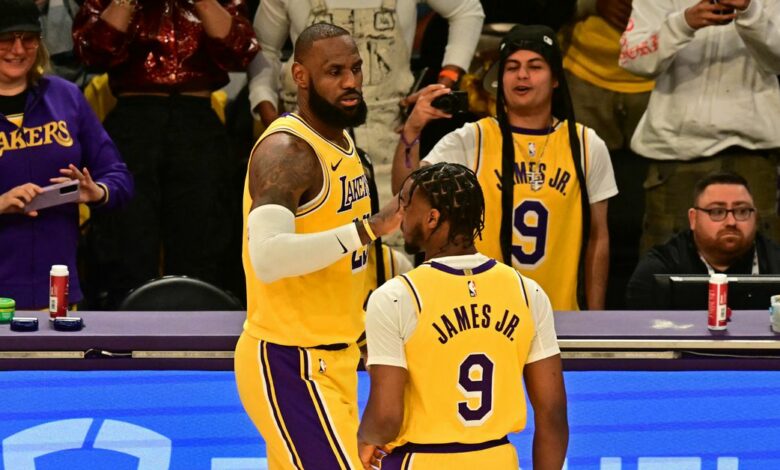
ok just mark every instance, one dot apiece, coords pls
pixel 171 293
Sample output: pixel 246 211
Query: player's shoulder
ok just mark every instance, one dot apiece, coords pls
pixel 392 289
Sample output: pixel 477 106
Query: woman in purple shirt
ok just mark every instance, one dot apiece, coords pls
pixel 48 134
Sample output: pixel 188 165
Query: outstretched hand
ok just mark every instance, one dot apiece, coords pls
pixel 89 191
pixel 388 219
pixel 16 199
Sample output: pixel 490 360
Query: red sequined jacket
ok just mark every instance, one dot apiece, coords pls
pixel 165 48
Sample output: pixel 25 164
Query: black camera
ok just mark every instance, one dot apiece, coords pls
pixel 454 102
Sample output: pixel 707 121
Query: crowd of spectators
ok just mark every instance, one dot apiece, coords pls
pixel 664 93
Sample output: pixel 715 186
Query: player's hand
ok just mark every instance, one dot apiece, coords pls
pixel 371 456
pixel 89 191
pixel 16 199
pixel 705 14
pixel 388 219
pixel 615 12
pixel 423 112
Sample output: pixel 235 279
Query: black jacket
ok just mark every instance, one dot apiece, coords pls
pixel 680 256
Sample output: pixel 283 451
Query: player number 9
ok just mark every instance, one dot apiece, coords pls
pixel 475 381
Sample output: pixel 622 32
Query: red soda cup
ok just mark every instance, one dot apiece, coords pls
pixel 718 311
pixel 58 291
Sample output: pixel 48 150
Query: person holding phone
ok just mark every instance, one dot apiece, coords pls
pixel 715 105
pixel 546 178
pixel 48 135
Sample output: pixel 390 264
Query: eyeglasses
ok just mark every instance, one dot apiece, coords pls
pixel 718 214
pixel 30 40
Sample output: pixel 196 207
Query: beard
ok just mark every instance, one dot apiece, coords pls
pixel 412 242
pixel 335 115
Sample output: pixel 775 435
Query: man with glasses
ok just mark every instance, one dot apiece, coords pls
pixel 723 238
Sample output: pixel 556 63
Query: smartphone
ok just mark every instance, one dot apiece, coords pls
pixel 54 195
pixel 454 102
pixel 725 11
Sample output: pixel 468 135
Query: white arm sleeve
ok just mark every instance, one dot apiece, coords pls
pixel 545 342
pixel 758 27
pixel 272 27
pixel 465 18
pixel 655 33
pixel 276 251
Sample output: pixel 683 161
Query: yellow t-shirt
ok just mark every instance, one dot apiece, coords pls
pixel 593 57
pixel 325 306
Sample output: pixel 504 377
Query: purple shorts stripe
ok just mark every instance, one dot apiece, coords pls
pixel 401 457
pixel 298 410
pixel 275 406
pixel 323 411
pixel 400 461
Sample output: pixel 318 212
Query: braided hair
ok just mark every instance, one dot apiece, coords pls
pixel 454 191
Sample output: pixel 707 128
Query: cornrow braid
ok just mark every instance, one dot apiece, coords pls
pixel 454 191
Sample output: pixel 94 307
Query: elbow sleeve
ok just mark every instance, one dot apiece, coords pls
pixel 276 251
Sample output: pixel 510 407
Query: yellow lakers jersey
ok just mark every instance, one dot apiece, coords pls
pixel 466 356
pixel 547 213
pixel 325 306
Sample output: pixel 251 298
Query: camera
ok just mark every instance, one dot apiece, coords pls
pixel 454 102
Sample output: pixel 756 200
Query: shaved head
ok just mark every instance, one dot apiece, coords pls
pixel 314 33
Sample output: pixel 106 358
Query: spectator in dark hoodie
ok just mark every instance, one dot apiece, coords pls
pixel 723 238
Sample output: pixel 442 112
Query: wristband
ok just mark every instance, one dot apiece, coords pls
pixel 408 145
pixel 370 232
pixel 448 73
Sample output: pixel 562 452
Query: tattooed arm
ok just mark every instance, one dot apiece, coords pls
pixel 285 173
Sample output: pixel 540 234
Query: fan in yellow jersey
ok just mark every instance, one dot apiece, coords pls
pixel 451 343
pixel 307 222
pixel 531 161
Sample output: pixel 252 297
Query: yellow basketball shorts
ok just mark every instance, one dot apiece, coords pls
pixel 303 401
pixel 495 455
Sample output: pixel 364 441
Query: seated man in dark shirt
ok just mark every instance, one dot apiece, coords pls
pixel 722 238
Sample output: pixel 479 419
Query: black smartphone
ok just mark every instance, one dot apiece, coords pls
pixel 454 102
pixel 724 11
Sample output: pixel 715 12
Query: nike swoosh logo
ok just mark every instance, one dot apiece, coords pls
pixel 344 248
pixel 334 167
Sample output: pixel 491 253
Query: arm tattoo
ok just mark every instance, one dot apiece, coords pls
pixel 283 170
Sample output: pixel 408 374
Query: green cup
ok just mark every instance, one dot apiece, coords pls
pixel 7 309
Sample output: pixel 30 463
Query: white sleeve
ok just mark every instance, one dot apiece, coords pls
pixel 600 177
pixel 465 18
pixel 759 27
pixel 455 147
pixel 272 27
pixel 545 341
pixel 390 321
pixel 655 32
pixel 276 251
